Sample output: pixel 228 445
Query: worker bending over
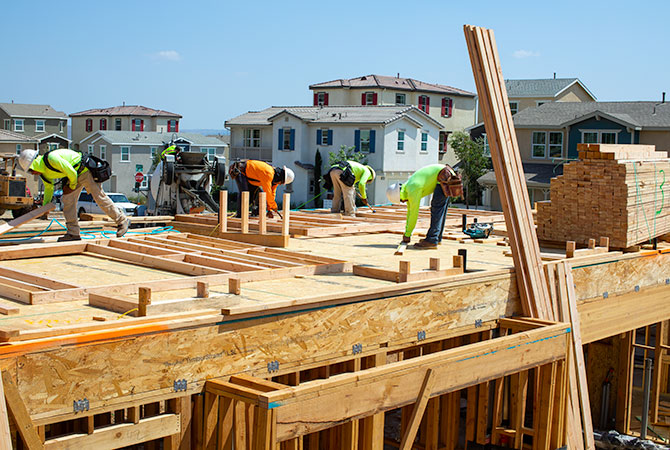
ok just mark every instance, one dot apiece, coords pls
pixel 263 175
pixel 70 165
pixel 437 179
pixel 345 176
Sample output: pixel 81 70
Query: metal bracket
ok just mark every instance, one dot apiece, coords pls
pixel 637 288
pixel 357 348
pixel 606 294
pixel 180 385
pixel 273 366
pixel 421 335
pixel 478 323
pixel 80 405
pixel 667 281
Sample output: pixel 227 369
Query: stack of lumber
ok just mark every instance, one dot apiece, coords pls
pixel 618 191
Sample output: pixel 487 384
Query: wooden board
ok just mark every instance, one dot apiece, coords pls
pixel 34 214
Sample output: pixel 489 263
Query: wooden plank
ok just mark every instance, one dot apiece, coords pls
pixel 5 435
pixel 118 436
pixel 211 413
pixel 19 413
pixel 34 214
pixel 407 441
pixel 245 212
pixel 262 213
pixel 225 425
pixel 223 210
pixel 286 209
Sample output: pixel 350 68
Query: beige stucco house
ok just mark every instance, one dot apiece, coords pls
pixel 41 123
pixel 122 118
pixel 453 108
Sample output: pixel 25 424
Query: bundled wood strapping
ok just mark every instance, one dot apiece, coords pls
pixel 618 191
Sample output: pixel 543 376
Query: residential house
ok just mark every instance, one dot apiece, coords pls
pixel 39 122
pixel 130 152
pixel 122 118
pixel 548 136
pixel 397 140
pixel 524 94
pixel 453 108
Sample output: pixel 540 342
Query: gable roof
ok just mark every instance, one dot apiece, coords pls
pixel 11 137
pixel 151 138
pixel 130 110
pixel 32 111
pixel 382 81
pixel 643 115
pixel 381 115
pixel 544 87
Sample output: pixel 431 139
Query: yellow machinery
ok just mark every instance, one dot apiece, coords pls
pixel 13 194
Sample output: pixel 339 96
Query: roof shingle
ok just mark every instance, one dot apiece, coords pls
pixel 28 110
pixel 382 81
pixel 130 110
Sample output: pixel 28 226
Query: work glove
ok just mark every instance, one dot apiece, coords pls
pixel 269 214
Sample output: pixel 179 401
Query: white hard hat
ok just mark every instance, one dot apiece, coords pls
pixel 374 175
pixel 288 175
pixel 393 192
pixel 26 158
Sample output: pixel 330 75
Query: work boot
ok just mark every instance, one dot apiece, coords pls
pixel 68 237
pixel 425 245
pixel 121 229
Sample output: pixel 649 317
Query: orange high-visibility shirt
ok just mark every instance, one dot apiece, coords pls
pixel 261 174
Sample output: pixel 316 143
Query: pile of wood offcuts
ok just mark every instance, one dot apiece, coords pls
pixel 615 191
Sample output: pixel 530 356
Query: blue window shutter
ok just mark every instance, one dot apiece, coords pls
pixel 372 140
pixel 281 139
pixel 330 137
pixel 357 140
pixel 292 139
pixel 318 137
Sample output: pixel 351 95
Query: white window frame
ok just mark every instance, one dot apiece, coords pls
pixel 39 122
pixel 487 147
pixel 286 145
pixel 400 147
pixel 514 107
pixel 404 98
pixel 423 144
pixel 366 141
pixel 121 153
pixel 52 146
pixel 249 138
pixel 320 99
pixel 550 145
pixel 547 144
pixel 211 153
pixel 324 136
pixel 17 128
pixel 118 121
pixel 600 135
pixel 103 152
pixel 91 149
pixel 19 149
pixel 154 151
pixel 533 144
pixel 61 126
pixel 369 99
pixel 8 124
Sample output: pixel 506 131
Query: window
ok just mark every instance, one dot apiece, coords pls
pixel 424 103
pixel 487 148
pixel 52 146
pixel 154 150
pixel 39 126
pixel 103 124
pixel 286 138
pixel 211 153
pixel 365 141
pixel 117 124
pixel 252 137
pixel 19 147
pixel 444 140
pixel 539 144
pixel 61 126
pixel 400 99
pixel 89 125
pixel 447 105
pixel 600 136
pixel 401 141
pixel 7 122
pixel 173 126
pixel 103 152
pixel 137 125
pixel 555 144
pixel 424 141
pixel 320 99
pixel 91 149
pixel 125 154
pixel 324 136
pixel 369 98
pixel 514 107
pixel 18 125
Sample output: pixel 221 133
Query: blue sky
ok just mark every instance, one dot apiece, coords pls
pixel 213 60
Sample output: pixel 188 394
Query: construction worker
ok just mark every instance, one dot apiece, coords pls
pixel 68 165
pixel 345 176
pixel 437 179
pixel 263 175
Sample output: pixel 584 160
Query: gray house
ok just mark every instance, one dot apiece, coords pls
pixel 130 152
pixel 39 122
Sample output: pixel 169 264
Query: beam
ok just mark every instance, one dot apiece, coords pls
pixel 19 413
pixel 34 214
pixel 407 441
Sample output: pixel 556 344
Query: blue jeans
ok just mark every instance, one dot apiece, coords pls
pixel 438 213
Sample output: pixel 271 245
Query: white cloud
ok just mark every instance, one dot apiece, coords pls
pixel 525 54
pixel 167 55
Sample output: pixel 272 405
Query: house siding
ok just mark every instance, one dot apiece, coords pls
pixel 624 137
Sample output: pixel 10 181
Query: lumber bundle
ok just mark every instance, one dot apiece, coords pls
pixel 618 191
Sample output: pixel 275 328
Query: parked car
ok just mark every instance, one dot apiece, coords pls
pixel 86 204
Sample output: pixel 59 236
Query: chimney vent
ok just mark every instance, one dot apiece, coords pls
pixel 554 75
pixel 663 101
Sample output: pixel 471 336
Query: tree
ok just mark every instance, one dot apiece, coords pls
pixel 347 154
pixel 318 162
pixel 473 163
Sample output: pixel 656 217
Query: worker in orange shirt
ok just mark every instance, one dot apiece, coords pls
pixel 263 175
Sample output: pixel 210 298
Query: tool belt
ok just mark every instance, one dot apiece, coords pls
pixel 347 176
